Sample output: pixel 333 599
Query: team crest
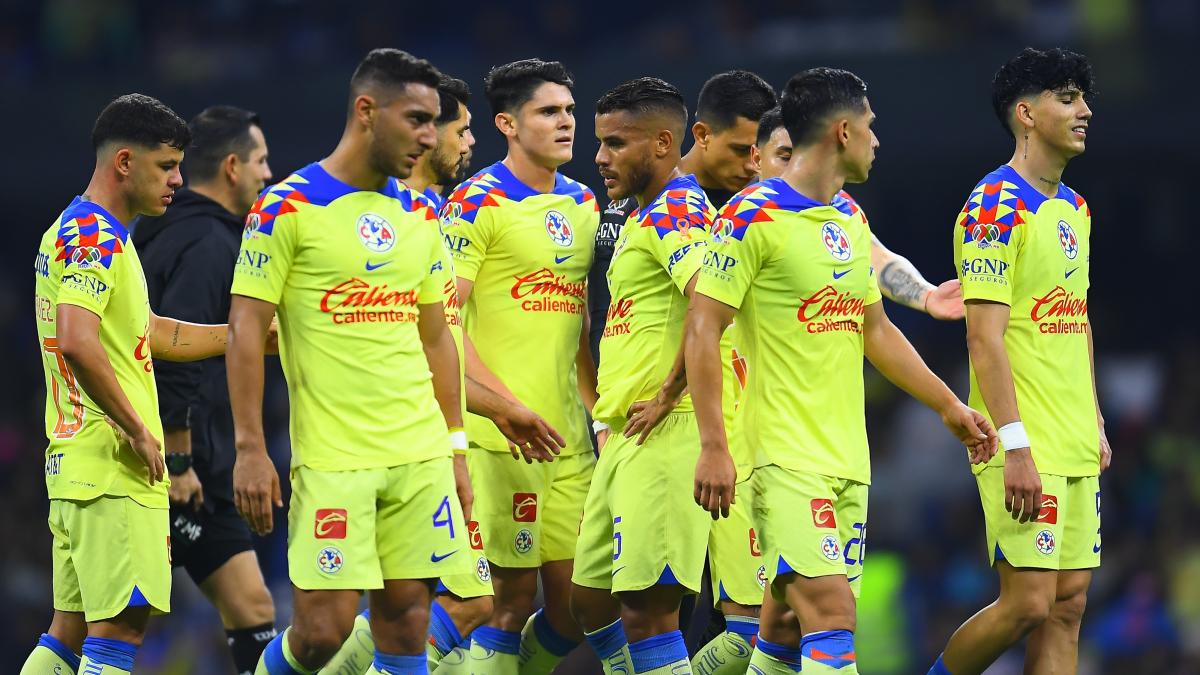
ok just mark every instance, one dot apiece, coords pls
pixel 253 221
pixel 722 230
pixel 330 560
pixel 450 213
pixel 835 239
pixel 1068 240
pixel 376 233
pixel 559 229
pixel 1044 541
pixel 483 570
pixel 830 547
pixel 524 541
pixel 85 257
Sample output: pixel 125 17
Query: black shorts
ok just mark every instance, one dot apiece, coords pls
pixel 202 540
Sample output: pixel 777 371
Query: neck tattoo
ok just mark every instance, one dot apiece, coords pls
pixel 1047 181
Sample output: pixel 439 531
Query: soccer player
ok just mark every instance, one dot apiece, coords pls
pixel 347 256
pixel 96 333
pixel 188 256
pixel 1022 249
pixel 791 258
pixel 521 235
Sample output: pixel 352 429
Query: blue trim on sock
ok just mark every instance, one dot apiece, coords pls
pixel 503 641
pixel 608 640
pixel 657 651
pixel 401 664
pixel 667 578
pixel 788 656
pixel 552 640
pixel 746 626
pixel 442 629
pixel 273 658
pixel 108 652
pixel 940 668
pixel 838 644
pixel 60 650
pixel 136 599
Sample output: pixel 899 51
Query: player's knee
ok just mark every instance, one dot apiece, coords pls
pixel 1029 611
pixel 477 611
pixel 247 608
pixel 1068 611
pixel 316 640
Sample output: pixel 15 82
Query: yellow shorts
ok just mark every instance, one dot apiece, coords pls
pixel 110 553
pixel 1066 533
pixel 641 526
pixel 351 530
pixel 478 582
pixel 735 559
pixel 529 513
pixel 810 524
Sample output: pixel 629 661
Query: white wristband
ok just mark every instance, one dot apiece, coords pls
pixel 1013 436
pixel 598 426
pixel 458 440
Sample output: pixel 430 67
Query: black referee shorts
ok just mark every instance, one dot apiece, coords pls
pixel 204 539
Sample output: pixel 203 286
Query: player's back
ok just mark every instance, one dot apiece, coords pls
pixel 347 269
pixel 86 259
pixel 528 254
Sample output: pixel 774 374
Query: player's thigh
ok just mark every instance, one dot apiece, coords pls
pixel 239 593
pixel 659 533
pixel 332 528
pixel 1080 511
pixel 420 529
pixel 119 555
pixel 571 477
pixel 509 501
pixel 219 536
pixel 735 557
pixel 596 549
pixel 1035 544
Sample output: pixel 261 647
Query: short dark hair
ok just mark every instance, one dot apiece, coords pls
pixel 767 124
pixel 812 95
pixel 1034 71
pixel 511 85
pixel 216 132
pixel 391 68
pixel 643 96
pixel 451 92
pixel 141 120
pixel 737 93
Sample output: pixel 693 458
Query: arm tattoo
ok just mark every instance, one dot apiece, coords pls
pixel 902 283
pixel 175 335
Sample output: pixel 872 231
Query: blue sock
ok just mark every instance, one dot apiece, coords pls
pixel 60 650
pixel 657 651
pixel 790 656
pixel 366 614
pixel 503 641
pixel 939 668
pixel 746 626
pixel 551 639
pixel 442 629
pixel 273 658
pixel 834 648
pixel 108 652
pixel 608 640
pixel 398 664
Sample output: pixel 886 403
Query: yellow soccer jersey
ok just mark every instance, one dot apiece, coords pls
pixel 528 254
pixel 659 250
pixel 799 274
pixel 450 304
pixel 87 259
pixel 1015 246
pixel 348 269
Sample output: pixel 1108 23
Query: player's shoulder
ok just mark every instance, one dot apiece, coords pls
pixel 311 185
pixel 1074 198
pixel 755 205
pixel 409 200
pixel 681 206
pixel 843 202
pixel 88 236
pixel 486 189
pixel 577 192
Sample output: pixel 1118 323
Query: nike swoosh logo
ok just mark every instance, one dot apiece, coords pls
pixel 839 275
pixel 371 266
pixel 1070 272
pixel 433 557
pixel 618 570
pixel 853 578
pixel 1095 548
pixel 560 259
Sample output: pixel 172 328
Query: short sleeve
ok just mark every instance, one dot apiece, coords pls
pixel 680 250
pixel 266 256
pixel 91 272
pixel 873 293
pixel 468 237
pixel 987 257
pixel 733 258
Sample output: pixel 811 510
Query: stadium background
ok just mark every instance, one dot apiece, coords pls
pixel 928 64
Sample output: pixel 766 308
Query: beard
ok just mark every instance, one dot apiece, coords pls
pixel 640 176
pixel 445 172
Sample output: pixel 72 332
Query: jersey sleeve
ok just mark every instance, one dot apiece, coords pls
pixel 680 249
pixel 731 261
pixel 471 235
pixel 988 247
pixel 266 256
pixel 873 293
pixel 91 267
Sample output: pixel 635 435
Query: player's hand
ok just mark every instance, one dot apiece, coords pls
pixel 644 416
pixel 529 435
pixel 1105 450
pixel 272 343
pixel 146 447
pixel 946 301
pixel 973 430
pixel 462 484
pixel 1022 485
pixel 185 488
pixel 256 489
pixel 715 477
